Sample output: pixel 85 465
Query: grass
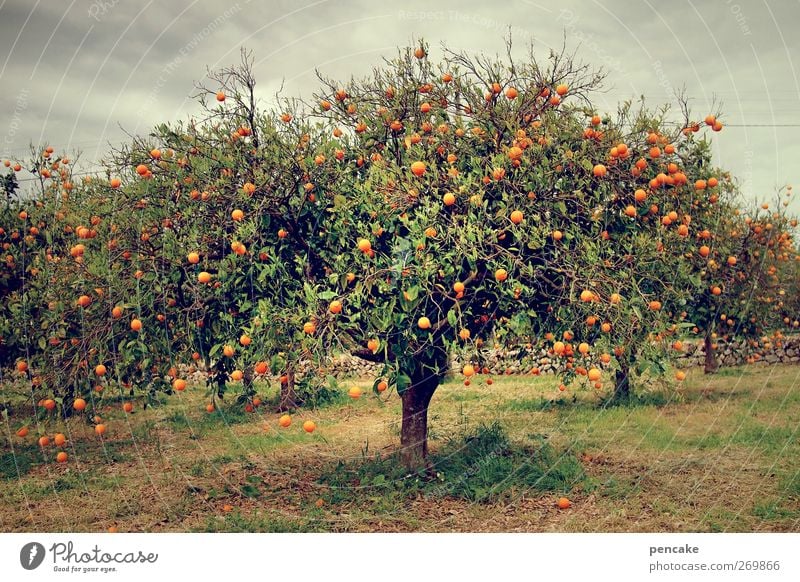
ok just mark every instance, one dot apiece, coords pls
pixel 719 454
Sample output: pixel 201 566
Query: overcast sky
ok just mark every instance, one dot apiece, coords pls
pixel 76 73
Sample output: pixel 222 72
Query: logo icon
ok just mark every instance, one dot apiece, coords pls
pixel 31 555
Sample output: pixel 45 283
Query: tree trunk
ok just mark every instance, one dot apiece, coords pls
pixel 414 430
pixel 711 364
pixel 288 400
pixel 622 383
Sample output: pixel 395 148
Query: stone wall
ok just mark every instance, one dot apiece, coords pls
pixel 734 353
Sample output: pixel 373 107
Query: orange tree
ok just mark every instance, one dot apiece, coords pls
pixel 484 199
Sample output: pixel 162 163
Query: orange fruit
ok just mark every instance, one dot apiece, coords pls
pixel 127 407
pixel 468 370
pixel 237 375
pixel 100 370
pixel 228 351
pixel 594 374
pixel 558 348
pixel 136 324
pixel 654 305
pixel 23 432
pixel 84 301
pixel 501 275
pixel 564 503
pixel 562 89
pixel 464 334
pixel 59 439
pixel 116 313
pixel 193 258
pixel 516 216
pixel 599 171
pixel 382 386
pixel 44 441
pixel 335 307
pixel 220 96
pixel 449 199
pixel 583 348
pixel 373 345
pixel 458 287
pixel 285 420
pixel 424 323
pixel 49 404
pixel 354 392
pixel 245 340
pixel 115 183
pixel 557 235
pixel 100 429
pixel 22 366
pixel 418 168
pixel 237 215
pixel 79 404
pixel 61 457
pixel 309 426
pixel 615 298
pixel 511 93
pixel 680 375
pixel 364 245
pixel 261 368
pixel 204 277
pixel 179 384
pixel 309 327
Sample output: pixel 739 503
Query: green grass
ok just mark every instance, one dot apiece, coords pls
pixel 481 466
pixel 719 453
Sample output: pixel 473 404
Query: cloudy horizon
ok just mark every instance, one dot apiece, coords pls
pixel 79 75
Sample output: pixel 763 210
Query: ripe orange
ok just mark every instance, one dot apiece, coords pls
pixel 309 327
pixel 511 93
pixel 210 408
pixel 630 211
pixel 449 199
pixel 680 375
pixel 418 168
pixel 677 345
pixel 468 370
pixel 562 89
pixel 245 340
pixel 458 287
pixel 61 457
pixel 583 348
pixel 44 441
pixel 220 96
pixel 237 215
pixel 228 351
pixel 654 305
pixel 558 348
pixel 49 404
pixel 179 384
pixel 193 258
pixel 204 277
pixel 237 375
pixel 116 313
pixel 261 368
pixel 115 183
pixel 382 386
pixel 22 366
pixel 285 420
pixel 364 245
pixel 424 323
pixel 84 301
pixel 373 345
pixel 59 440
pixel 354 392
pixel 127 407
pixel 594 374
pixel 464 334
pixel 640 196
pixel 516 216
pixel 23 432
pixel 564 503
pixel 704 251
pixel 615 298
pixel 309 426
pixel 141 169
pixel 599 171
pixel 100 370
pixel 501 275
pixel 79 404
pixel 731 261
pixel 335 307
pixel 557 235
pixel 587 296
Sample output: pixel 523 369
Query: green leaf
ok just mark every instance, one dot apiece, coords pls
pixel 402 382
